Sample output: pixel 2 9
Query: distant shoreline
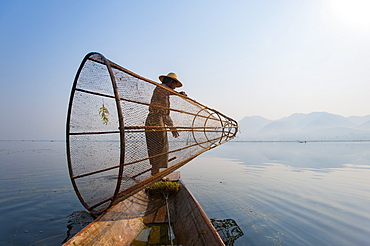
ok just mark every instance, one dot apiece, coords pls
pixel 301 141
pixel 15 140
pixel 233 140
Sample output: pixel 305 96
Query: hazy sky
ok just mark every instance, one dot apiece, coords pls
pixel 270 58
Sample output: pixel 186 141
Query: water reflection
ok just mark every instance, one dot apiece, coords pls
pixel 311 155
pixel 287 193
pixel 277 193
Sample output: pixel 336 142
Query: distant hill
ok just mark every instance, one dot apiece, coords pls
pixel 305 127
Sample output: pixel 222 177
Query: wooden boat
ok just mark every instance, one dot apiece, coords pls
pixel 143 220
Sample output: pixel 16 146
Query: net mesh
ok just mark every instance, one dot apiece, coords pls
pixel 124 132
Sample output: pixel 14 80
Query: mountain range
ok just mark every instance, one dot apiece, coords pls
pixel 305 127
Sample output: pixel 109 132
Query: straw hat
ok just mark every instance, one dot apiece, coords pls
pixel 171 76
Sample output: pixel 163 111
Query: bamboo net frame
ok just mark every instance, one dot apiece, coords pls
pixel 109 140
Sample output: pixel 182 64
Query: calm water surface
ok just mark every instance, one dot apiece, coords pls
pixel 277 193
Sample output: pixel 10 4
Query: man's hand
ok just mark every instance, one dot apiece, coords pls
pixel 175 133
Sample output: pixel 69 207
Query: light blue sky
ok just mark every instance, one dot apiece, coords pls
pixel 269 58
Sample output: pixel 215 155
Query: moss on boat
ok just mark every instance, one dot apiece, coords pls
pixel 163 187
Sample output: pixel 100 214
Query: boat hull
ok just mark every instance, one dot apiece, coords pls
pixel 121 224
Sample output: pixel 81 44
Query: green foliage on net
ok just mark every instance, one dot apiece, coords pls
pixel 104 112
pixel 163 187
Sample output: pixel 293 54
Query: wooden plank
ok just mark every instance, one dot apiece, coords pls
pixel 118 226
pixel 156 211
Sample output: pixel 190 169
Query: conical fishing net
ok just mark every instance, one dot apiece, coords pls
pixel 120 132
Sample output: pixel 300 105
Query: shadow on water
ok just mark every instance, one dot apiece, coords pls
pixel 77 221
pixel 228 230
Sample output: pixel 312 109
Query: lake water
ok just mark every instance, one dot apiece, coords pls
pixel 278 193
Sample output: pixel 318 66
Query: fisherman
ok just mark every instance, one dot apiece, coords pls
pixel 159 117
